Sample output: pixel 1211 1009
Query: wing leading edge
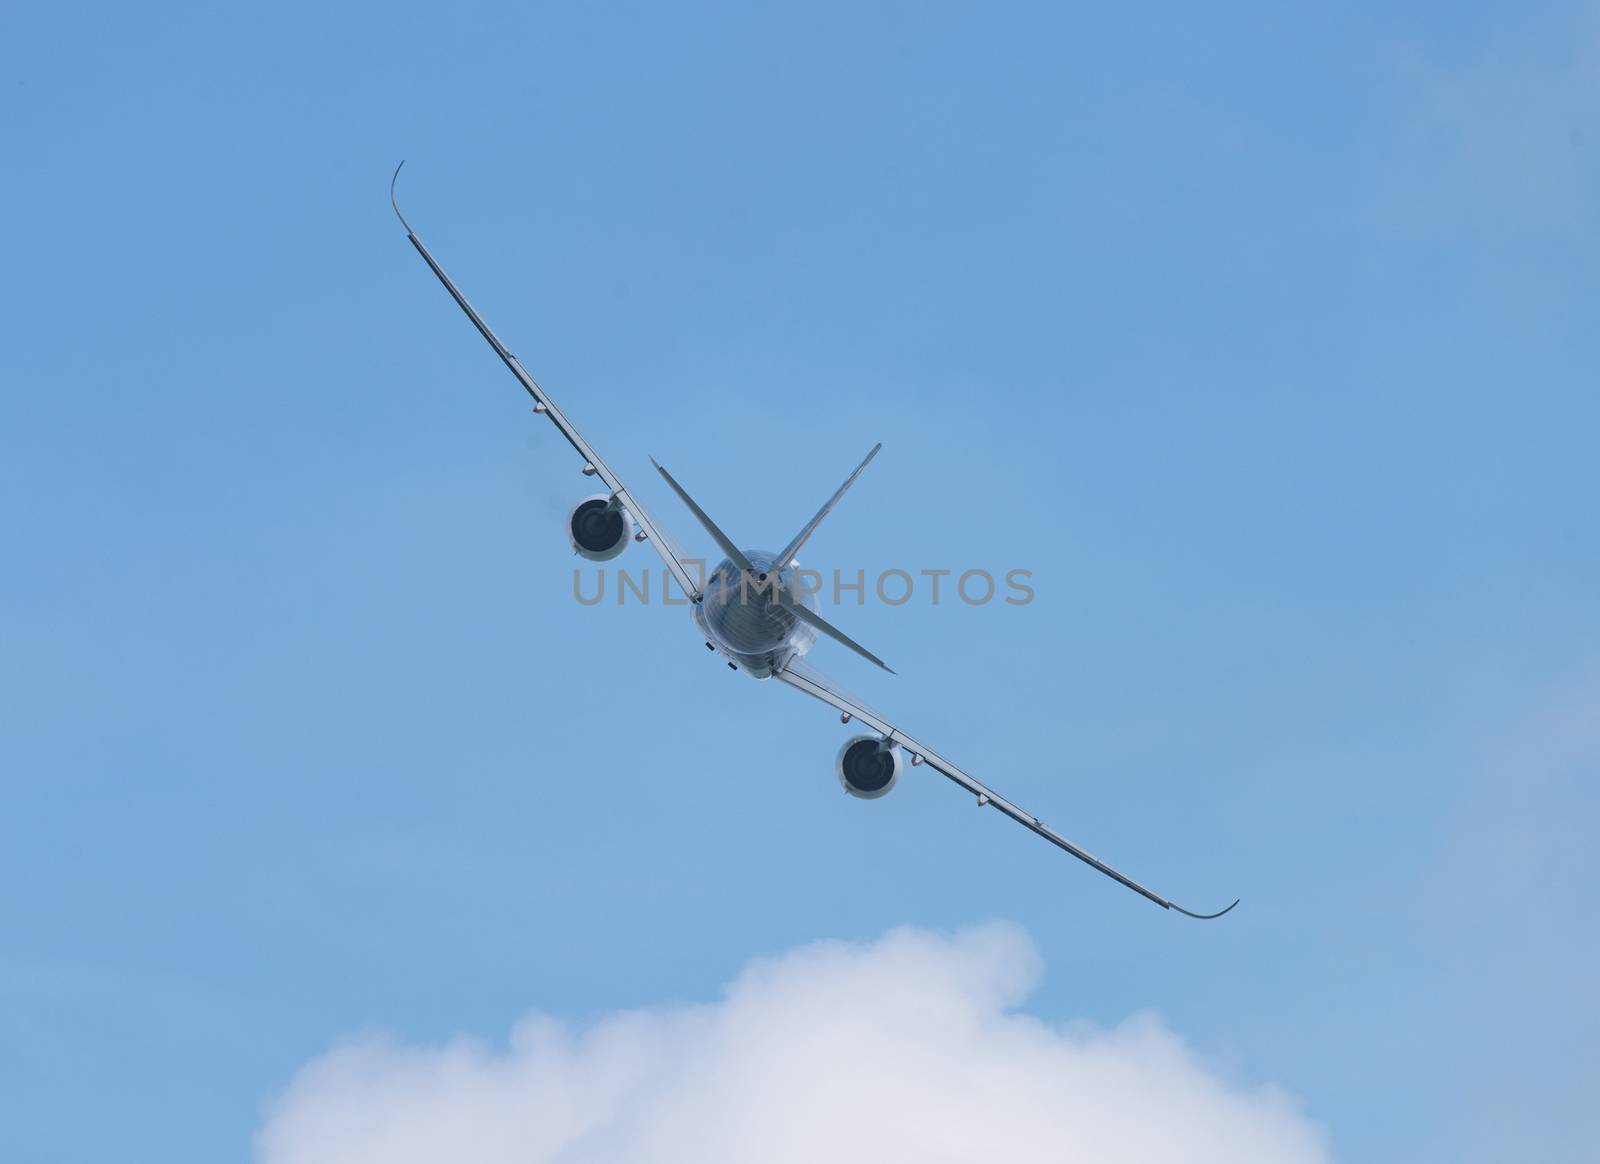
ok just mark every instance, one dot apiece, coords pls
pixel 805 678
pixel 542 402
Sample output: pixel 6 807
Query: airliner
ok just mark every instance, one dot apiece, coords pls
pixel 753 609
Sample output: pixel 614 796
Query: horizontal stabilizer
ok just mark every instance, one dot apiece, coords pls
pixel 811 618
pixel 733 552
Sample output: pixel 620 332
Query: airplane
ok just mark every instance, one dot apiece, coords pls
pixel 752 610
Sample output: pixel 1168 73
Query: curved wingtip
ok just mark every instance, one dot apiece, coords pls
pixel 1201 916
pixel 393 202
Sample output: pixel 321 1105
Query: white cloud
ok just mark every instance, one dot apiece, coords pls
pixel 907 1049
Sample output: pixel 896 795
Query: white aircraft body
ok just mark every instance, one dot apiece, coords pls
pixel 751 610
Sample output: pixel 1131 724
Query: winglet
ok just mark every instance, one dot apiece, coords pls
pixel 392 202
pixel 1202 916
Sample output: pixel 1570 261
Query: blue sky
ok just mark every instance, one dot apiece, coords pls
pixel 1265 339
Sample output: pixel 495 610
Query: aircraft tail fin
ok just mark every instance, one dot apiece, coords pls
pixel 793 548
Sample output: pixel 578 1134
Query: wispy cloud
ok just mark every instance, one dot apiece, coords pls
pixel 1503 140
pixel 1500 917
pixel 907 1049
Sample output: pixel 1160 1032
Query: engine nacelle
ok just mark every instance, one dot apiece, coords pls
pixel 596 530
pixel 868 767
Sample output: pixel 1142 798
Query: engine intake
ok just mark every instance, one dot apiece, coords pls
pixel 596 530
pixel 868 767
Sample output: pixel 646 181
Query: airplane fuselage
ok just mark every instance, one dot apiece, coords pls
pixel 739 616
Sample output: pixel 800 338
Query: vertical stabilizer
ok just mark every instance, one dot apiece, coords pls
pixel 793 548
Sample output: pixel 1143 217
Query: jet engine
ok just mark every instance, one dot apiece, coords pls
pixel 868 767
pixel 598 531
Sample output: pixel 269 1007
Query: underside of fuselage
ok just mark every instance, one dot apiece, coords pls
pixel 741 617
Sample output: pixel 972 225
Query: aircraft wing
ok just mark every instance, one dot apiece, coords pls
pixel 805 678
pixel 653 534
